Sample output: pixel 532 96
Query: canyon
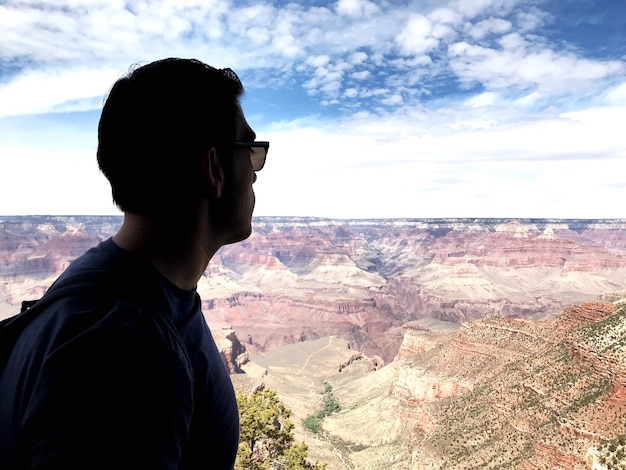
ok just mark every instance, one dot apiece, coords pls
pixel 449 343
pixel 508 393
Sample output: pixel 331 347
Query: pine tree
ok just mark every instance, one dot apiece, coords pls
pixel 266 439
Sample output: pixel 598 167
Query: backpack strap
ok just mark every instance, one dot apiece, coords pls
pixel 26 304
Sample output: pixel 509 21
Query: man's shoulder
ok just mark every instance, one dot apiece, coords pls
pixel 101 293
pixel 104 257
pixel 83 319
pixel 76 332
pixel 99 303
pixel 106 275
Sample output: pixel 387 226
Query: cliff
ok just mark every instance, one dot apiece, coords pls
pixel 497 393
pixel 298 279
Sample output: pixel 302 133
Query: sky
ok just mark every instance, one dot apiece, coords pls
pixel 386 109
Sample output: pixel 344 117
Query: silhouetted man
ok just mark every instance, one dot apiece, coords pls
pixel 121 371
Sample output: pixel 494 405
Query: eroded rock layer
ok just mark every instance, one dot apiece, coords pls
pixel 298 279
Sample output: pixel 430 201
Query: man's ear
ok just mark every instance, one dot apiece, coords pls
pixel 212 174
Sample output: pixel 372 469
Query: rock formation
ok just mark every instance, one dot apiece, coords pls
pixel 496 393
pixel 298 279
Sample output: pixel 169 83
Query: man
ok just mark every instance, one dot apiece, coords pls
pixel 121 371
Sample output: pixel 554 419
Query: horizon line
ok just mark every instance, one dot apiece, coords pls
pixel 323 218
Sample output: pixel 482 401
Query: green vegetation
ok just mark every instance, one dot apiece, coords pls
pixel 608 334
pixel 591 395
pixel 266 435
pixel 612 454
pixel 329 406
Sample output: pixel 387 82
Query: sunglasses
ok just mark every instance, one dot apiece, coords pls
pixel 258 152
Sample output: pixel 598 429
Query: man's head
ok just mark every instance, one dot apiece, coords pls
pixel 157 123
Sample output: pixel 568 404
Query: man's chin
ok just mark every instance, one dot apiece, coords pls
pixel 240 235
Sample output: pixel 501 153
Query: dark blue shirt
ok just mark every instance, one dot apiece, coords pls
pixel 99 380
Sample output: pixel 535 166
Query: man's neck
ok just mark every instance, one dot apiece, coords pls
pixel 180 251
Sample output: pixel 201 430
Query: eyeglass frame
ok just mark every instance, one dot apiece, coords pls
pixel 253 145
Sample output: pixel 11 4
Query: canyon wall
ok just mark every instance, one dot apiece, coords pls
pixel 298 279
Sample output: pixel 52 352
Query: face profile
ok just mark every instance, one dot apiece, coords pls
pixel 244 158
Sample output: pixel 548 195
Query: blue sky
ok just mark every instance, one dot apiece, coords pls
pixel 458 108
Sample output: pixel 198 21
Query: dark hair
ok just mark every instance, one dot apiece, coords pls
pixel 155 124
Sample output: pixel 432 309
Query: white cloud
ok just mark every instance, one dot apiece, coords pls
pixel 407 156
pixel 326 80
pixel 524 169
pixel 374 92
pixel 362 75
pixel 473 8
pixel 356 8
pixel 528 100
pixel 522 68
pixel 489 26
pixel 530 19
pixel 393 100
pixel 442 31
pixel 513 41
pixel 317 61
pixel 416 37
pixel 80 33
pixel 446 16
pixel 54 90
pixel 262 36
pixel 357 58
pixel 492 168
pixel 547 118
pixel 63 32
pixel 616 96
pixel 482 100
